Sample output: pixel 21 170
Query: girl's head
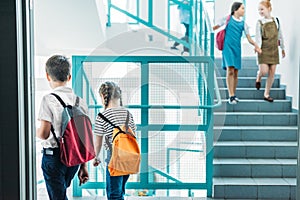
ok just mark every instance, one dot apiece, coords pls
pixel 265 8
pixel 238 8
pixel 110 92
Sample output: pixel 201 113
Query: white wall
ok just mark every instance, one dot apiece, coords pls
pixel 287 12
pixel 67 26
pixel 289 68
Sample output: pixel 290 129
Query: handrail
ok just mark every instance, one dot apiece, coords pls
pixel 165 106
pixel 204 72
pixel 146 23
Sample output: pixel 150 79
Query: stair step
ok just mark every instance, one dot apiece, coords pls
pixel 255 119
pixel 247 62
pixel 255 168
pixel 249 82
pixel 255 149
pixel 251 105
pixel 244 72
pixel 252 93
pixel 255 133
pixel 255 188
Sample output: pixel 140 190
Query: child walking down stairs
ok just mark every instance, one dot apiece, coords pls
pixel 255 154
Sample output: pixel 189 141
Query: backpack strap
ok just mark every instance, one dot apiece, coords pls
pixel 60 100
pixel 56 139
pixel 105 119
pixel 227 19
pixel 77 101
pixel 64 105
pixel 118 127
pixel 127 121
pixel 278 23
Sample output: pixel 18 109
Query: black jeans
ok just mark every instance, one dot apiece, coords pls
pixel 57 176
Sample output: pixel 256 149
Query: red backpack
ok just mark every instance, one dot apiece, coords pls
pixel 220 37
pixel 76 143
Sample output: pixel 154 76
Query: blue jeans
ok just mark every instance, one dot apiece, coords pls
pixel 115 185
pixel 57 176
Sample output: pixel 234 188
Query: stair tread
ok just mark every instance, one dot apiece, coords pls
pixel 255 113
pixel 256 127
pixel 252 88
pixel 257 101
pixel 255 143
pixel 248 77
pixel 254 161
pixel 254 181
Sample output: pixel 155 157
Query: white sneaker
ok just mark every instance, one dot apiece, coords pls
pixel 232 101
pixel 237 99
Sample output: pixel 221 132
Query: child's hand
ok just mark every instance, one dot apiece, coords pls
pixel 257 50
pixel 83 174
pixel 283 53
pixel 96 162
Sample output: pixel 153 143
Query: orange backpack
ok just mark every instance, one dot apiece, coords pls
pixel 126 155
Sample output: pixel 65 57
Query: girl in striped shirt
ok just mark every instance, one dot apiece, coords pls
pixel 110 94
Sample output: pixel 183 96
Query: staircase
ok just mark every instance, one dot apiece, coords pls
pixel 255 154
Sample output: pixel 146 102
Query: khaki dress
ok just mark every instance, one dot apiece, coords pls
pixel 269 47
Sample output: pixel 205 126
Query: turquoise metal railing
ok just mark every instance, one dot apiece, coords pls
pixel 204 68
pixel 201 36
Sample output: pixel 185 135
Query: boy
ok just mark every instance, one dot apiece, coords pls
pixel 57 176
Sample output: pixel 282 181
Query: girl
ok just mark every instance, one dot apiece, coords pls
pixel 110 94
pixel 231 54
pixel 268 34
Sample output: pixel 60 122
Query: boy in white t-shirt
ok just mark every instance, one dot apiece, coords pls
pixel 57 176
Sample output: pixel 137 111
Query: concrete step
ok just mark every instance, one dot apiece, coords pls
pixel 255 168
pixel 249 82
pixel 255 188
pixel 255 133
pixel 247 62
pixel 251 105
pixel 245 72
pixel 255 149
pixel 255 119
pixel 252 93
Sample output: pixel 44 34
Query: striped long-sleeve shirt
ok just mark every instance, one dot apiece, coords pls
pixel 118 117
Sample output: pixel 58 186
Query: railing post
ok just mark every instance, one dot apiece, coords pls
pixel 150 12
pixel 298 137
pixel 77 75
pixel 108 24
pixel 144 178
pixel 210 132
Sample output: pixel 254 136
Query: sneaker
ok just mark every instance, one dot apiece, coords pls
pixel 174 47
pixel 232 100
pixel 257 85
pixel 237 99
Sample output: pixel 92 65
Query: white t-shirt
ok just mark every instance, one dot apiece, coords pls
pixel 51 111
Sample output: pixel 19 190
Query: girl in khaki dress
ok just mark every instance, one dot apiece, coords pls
pixel 269 36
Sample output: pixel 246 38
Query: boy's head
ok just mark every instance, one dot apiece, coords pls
pixel 58 68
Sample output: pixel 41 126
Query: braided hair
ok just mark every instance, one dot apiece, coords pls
pixel 110 91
